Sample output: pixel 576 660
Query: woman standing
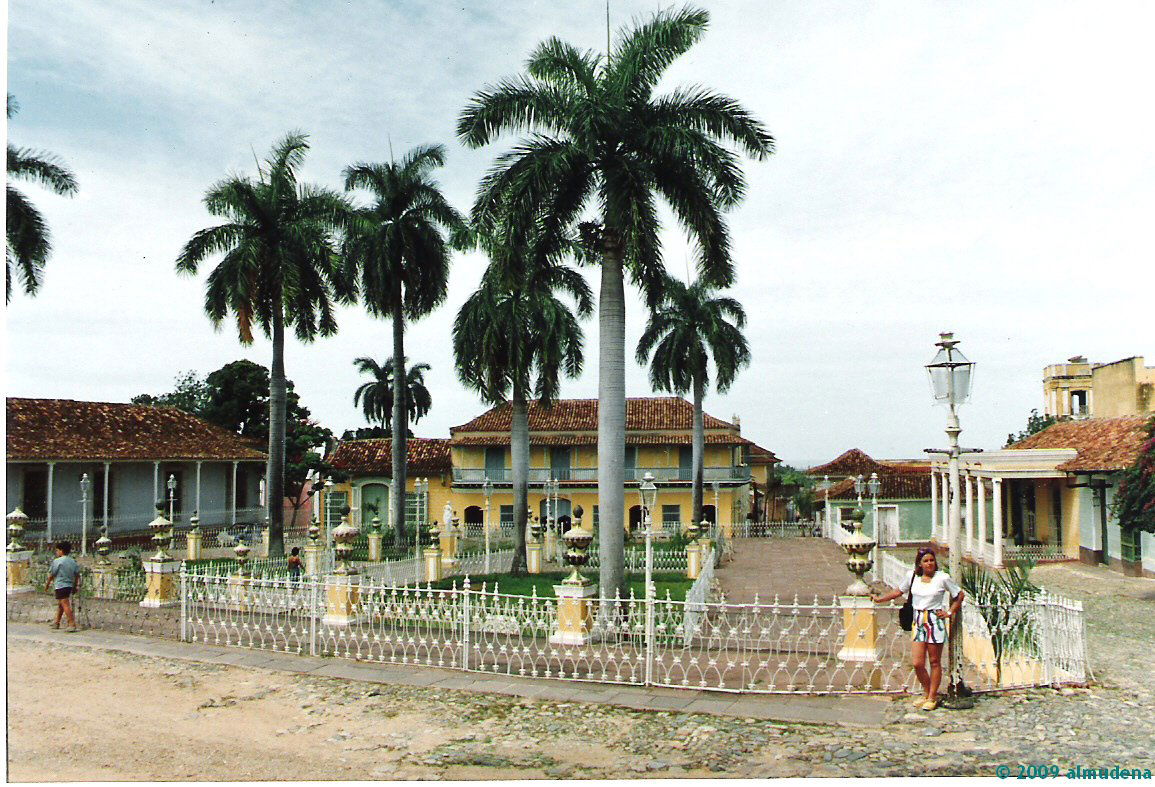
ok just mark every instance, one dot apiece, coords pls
pixel 936 599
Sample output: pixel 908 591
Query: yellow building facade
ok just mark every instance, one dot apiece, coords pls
pixel 1081 389
pixel 563 447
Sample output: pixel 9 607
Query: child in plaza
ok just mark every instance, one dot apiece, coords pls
pixel 64 578
pixel 936 599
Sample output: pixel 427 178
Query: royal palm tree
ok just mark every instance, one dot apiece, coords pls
pixel 376 396
pixel 513 338
pixel 686 330
pixel 28 241
pixel 602 141
pixel 277 251
pixel 396 257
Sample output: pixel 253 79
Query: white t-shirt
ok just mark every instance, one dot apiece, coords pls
pixel 932 594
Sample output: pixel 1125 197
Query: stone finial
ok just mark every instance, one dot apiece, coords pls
pixel 241 550
pixel 344 536
pixel 858 547
pixel 578 539
pixel 161 535
pixel 17 521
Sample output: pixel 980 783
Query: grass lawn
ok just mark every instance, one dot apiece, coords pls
pixel 675 583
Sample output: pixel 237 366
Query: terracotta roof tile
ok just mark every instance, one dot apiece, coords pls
pixel 856 461
pixel 67 430
pixel 581 415
pixel 375 457
pixel 584 438
pixel 894 486
pixel 1102 443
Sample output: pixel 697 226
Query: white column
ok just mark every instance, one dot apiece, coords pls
pixel 1091 404
pixel 233 502
pixel 934 505
pixel 997 507
pixel 982 547
pixel 944 517
pixel 107 492
pixel 48 512
pixel 198 504
pixel 155 482
pixel 970 516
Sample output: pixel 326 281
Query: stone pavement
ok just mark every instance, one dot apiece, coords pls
pixel 840 710
pixel 784 566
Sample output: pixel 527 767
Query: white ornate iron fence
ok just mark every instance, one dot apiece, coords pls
pixel 801 528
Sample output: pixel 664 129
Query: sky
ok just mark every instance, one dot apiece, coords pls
pixel 984 168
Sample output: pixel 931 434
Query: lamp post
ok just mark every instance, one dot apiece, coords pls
pixel 951 375
pixel 421 489
pixel 859 487
pixel 648 492
pixel 717 487
pixel 85 485
pixel 874 486
pixel 824 487
pixel 487 489
pixel 171 485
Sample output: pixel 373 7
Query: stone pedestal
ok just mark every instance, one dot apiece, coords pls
pixel 19 571
pixel 533 557
pixel 375 547
pixel 449 550
pixel 342 599
pixel 574 614
pixel 240 593
pixel 550 547
pixel 433 564
pixel 103 580
pixel 163 581
pixel 193 541
pixel 861 644
pixel 313 559
pixel 693 560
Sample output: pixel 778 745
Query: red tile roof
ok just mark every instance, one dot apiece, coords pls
pixel 584 438
pixel 581 415
pixel 899 480
pixel 893 486
pixel 856 461
pixel 67 430
pixel 1103 443
pixel 375 457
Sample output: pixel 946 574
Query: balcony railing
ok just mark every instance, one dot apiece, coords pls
pixel 539 475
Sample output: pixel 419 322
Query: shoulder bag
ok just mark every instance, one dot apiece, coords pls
pixel 906 613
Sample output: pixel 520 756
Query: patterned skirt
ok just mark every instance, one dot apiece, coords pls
pixel 929 627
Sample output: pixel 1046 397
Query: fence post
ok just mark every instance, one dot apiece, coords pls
pixel 1044 619
pixel 313 613
pixel 183 604
pixel 649 635
pixel 465 617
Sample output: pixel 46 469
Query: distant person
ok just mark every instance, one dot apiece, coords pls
pixel 64 578
pixel 295 563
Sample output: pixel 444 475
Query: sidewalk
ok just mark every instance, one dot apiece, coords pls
pixel 843 710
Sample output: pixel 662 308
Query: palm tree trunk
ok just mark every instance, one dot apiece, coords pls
pixel 397 490
pixel 698 452
pixel 611 423
pixel 275 468
pixel 519 450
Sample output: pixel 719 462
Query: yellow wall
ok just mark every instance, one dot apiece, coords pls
pixel 1123 388
pixel 1071 513
pixel 473 457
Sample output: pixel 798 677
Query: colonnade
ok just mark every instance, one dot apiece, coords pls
pixel 973 494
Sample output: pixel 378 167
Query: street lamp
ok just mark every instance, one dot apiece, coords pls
pixel 487 489
pixel 950 376
pixel 874 486
pixel 85 485
pixel 717 516
pixel 648 492
pixel 824 487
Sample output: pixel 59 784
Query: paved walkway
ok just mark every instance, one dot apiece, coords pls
pixel 844 710
pixel 784 566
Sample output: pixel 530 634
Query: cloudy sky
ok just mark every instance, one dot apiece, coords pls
pixel 985 168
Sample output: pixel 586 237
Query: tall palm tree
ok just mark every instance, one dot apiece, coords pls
pixel 396 255
pixel 601 140
pixel 376 396
pixel 513 338
pixel 277 250
pixel 27 236
pixel 686 330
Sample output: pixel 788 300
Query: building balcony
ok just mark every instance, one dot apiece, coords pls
pixel 539 475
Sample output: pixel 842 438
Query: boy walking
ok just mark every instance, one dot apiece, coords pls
pixel 64 578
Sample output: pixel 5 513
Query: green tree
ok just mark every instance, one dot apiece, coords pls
pixel 277 251
pixel 396 256
pixel 601 139
pixel 375 398
pixel 685 331
pixel 190 393
pixel 1035 424
pixel 513 338
pixel 238 398
pixel 28 240
pixel 1134 504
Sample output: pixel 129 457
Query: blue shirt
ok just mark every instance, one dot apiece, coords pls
pixel 66 571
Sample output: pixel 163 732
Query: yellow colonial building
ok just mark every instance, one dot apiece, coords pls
pixel 1082 389
pixel 563 447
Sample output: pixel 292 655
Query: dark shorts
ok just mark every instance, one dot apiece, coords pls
pixel 63 593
